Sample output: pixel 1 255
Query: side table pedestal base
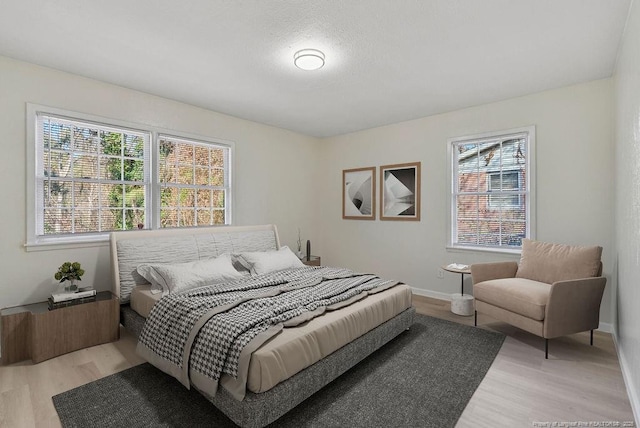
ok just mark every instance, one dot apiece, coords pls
pixel 462 304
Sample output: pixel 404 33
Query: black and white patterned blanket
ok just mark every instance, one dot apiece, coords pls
pixel 210 331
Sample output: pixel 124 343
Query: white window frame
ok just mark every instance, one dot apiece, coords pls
pixel 530 211
pixel 36 242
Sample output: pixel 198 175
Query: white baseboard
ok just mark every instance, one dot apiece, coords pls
pixel 632 390
pixel 433 294
pixel 606 327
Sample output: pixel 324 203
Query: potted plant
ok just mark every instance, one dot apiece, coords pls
pixel 72 272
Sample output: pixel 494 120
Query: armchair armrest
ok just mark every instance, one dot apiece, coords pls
pixel 573 306
pixel 485 271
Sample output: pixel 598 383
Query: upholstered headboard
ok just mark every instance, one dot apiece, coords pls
pixel 129 249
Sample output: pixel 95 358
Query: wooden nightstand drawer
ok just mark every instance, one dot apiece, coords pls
pixel 33 331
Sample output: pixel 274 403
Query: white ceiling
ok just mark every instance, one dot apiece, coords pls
pixel 386 60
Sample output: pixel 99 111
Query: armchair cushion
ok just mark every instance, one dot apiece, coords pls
pixel 549 263
pixel 522 296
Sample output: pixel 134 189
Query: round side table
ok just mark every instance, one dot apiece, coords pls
pixel 461 304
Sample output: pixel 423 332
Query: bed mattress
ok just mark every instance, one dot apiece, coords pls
pixel 299 347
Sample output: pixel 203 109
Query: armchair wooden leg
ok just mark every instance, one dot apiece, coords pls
pixel 546 349
pixel 591 341
pixel 475 318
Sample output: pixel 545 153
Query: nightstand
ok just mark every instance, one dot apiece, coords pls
pixel 313 261
pixel 34 332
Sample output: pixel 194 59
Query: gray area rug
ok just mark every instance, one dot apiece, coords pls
pixel 423 378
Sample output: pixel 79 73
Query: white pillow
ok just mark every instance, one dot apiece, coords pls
pixel 173 278
pixel 262 262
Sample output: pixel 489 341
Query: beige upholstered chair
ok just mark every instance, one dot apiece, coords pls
pixel 555 290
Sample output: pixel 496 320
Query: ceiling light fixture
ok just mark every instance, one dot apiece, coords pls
pixel 308 59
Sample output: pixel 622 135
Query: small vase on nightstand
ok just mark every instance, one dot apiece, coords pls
pixel 71 286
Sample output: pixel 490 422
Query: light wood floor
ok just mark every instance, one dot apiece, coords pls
pixel 578 383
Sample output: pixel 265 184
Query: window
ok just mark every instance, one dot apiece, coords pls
pixel 92 177
pixel 193 182
pixel 491 197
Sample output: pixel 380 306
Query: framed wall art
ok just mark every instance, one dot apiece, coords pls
pixel 358 193
pixel 400 191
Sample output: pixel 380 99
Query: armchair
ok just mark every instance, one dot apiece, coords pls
pixel 554 291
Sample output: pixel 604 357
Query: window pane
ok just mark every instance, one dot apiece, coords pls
pixel 217 158
pixel 187 198
pixel 202 175
pixel 513 232
pixel 133 218
pixel 133 170
pixel 59 136
pixel 202 156
pixel 57 164
pixel 489 233
pixel 204 217
pixel 168 172
pixel 467 207
pixel 57 193
pixel 169 197
pixel 85 140
pixel 109 219
pixel 111 143
pixel 204 198
pixel 469 181
pixel 186 217
pixel 219 217
pixel 134 196
pixel 185 175
pixel 86 195
pixel 85 166
pixel 184 154
pixel 86 221
pixel 218 199
pixel 217 177
pixel 133 146
pixel 168 217
pixel 57 221
pixel 111 195
pixel 467 231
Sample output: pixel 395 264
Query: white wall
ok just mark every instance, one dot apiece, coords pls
pixel 274 170
pixel 574 185
pixel 627 167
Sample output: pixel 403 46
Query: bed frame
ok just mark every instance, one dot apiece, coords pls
pixel 130 248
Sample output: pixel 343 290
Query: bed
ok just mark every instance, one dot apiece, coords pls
pixel 290 363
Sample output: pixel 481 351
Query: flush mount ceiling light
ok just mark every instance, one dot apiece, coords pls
pixel 308 59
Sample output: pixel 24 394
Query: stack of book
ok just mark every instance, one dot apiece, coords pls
pixel 63 299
